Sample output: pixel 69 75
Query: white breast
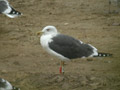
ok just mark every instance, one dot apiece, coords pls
pixel 44 40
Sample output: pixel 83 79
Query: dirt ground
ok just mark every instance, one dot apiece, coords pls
pixel 25 64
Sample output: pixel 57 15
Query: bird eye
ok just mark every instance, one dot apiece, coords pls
pixel 48 29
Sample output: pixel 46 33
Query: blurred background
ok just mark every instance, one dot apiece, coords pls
pixel 25 64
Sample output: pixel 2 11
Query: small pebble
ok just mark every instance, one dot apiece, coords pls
pixel 3 71
pixel 116 24
pixel 66 23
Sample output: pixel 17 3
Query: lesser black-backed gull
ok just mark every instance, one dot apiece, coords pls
pixel 5 85
pixel 66 47
pixel 8 10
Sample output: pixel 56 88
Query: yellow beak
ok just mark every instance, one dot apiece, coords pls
pixel 39 33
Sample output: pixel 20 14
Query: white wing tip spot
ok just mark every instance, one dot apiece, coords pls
pixel 104 55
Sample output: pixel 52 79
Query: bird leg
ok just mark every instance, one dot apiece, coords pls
pixel 61 67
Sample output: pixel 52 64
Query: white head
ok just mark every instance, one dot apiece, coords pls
pixel 49 30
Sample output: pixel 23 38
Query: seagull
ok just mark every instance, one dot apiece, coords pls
pixel 8 10
pixel 66 47
pixel 5 85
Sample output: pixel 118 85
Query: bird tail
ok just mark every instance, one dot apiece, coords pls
pixel 13 13
pixel 103 55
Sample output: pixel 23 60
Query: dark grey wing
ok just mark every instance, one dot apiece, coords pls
pixel 2 84
pixel 70 47
pixel 3 6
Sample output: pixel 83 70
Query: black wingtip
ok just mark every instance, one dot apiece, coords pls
pixel 13 11
pixel 104 55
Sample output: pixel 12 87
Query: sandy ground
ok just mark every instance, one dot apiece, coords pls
pixel 25 64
